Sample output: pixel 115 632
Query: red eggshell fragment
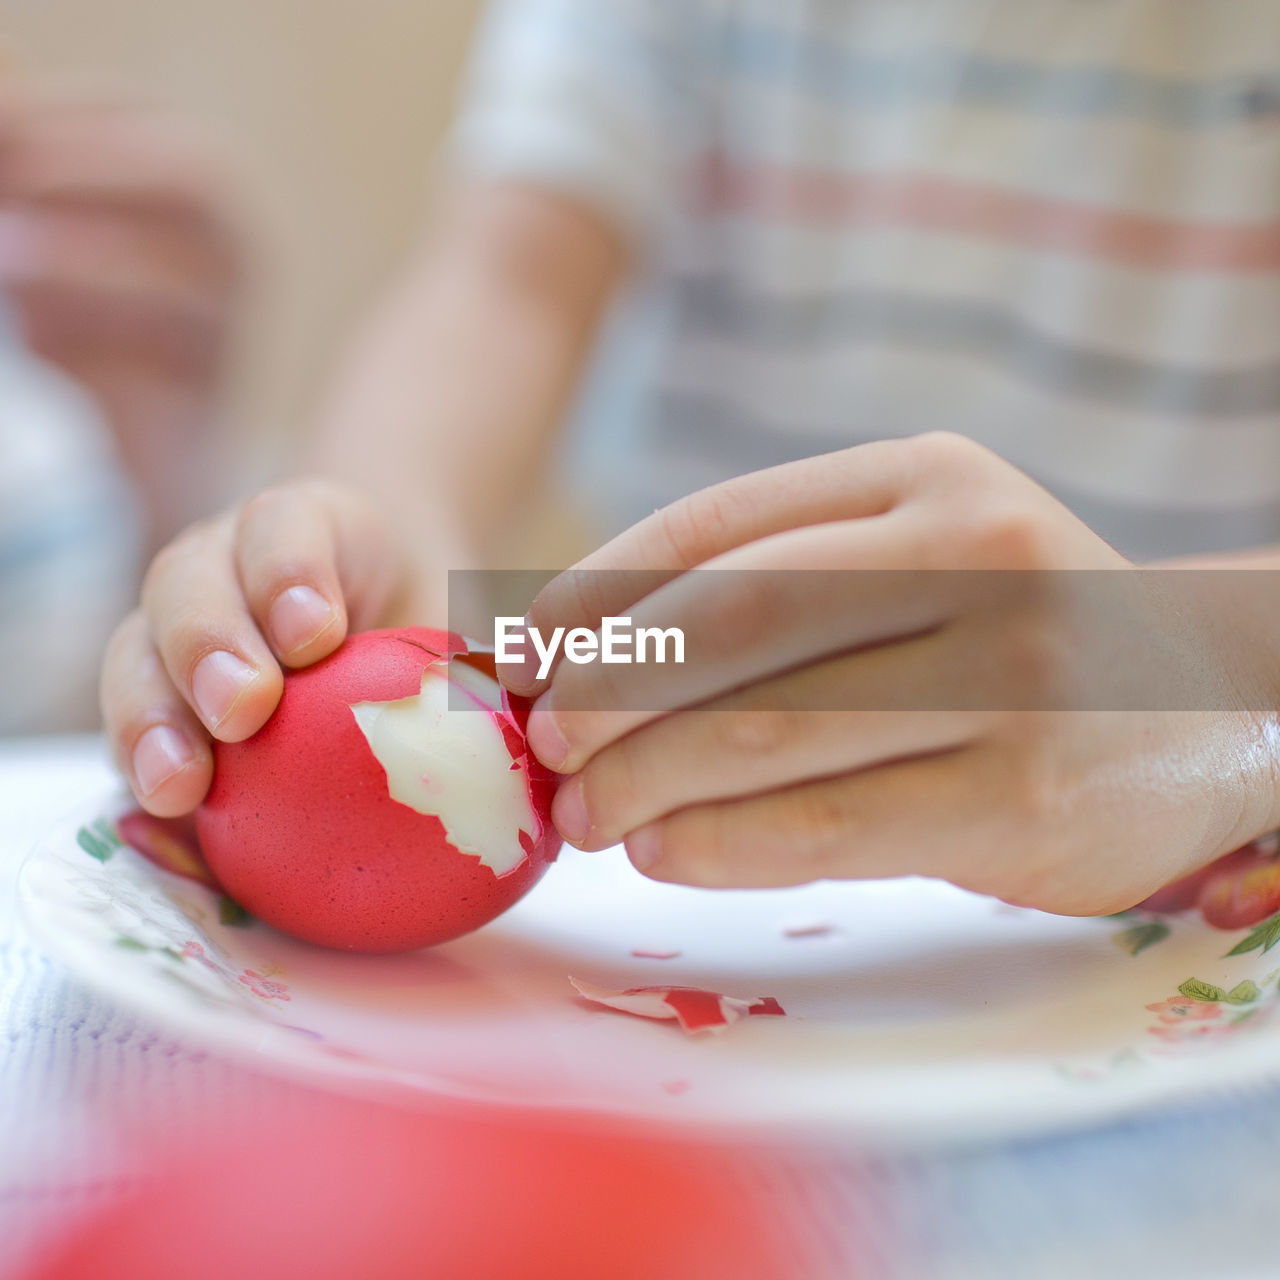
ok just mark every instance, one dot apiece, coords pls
pixel 170 843
pixel 815 930
pixel 512 737
pixel 300 828
pixel 694 1008
pixel 697 1010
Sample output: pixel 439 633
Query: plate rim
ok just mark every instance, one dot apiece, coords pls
pixel 1245 1067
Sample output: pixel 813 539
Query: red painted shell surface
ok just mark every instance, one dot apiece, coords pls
pixel 300 829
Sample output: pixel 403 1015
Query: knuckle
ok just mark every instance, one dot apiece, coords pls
pixel 266 502
pixel 739 604
pixel 1037 860
pixel 118 676
pixel 695 848
pixel 164 566
pixel 1037 795
pixel 612 789
pixel 270 573
pixel 288 497
pixel 1008 536
pixel 575 593
pixel 126 635
pixel 822 821
pixel 753 731
pixel 186 638
pixel 337 503
pixel 174 560
pixel 698 526
pixel 1035 671
pixel 591 689
pixel 945 453
pixel 269 563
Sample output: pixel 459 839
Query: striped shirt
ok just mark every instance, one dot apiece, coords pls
pixel 1051 225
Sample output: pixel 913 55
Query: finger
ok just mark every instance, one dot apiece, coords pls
pixel 207 639
pixel 926 816
pixel 579 600
pixel 154 735
pixel 114 251
pixel 827 720
pixel 81 328
pixel 867 480
pixel 314 562
pixel 77 151
pixel 286 559
pixel 747 616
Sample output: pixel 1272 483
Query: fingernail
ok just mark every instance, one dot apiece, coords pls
pixel 644 847
pixel 217 685
pixel 569 810
pixel 159 755
pixel 545 738
pixel 297 617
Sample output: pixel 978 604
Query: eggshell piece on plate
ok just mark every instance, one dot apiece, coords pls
pixel 388 804
pixel 169 843
pixel 696 1009
pixel 814 929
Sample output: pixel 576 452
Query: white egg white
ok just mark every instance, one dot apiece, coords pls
pixel 452 763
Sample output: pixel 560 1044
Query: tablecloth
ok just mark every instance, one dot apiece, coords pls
pixel 1184 1196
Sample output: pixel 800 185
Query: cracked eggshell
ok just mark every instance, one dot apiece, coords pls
pixel 301 828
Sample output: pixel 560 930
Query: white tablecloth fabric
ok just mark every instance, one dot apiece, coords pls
pixel 1185 1197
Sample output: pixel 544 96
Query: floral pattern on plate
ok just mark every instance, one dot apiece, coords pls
pixel 923 1013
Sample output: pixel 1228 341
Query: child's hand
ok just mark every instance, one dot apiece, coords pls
pixel 279 580
pixel 1077 811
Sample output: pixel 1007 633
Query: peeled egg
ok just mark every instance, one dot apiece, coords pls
pixel 388 804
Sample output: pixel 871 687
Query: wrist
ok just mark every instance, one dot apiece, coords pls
pixel 1232 607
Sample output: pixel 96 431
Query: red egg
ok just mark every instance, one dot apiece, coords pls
pixel 370 813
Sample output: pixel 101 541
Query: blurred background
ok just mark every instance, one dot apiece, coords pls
pixel 324 119
pixel 332 112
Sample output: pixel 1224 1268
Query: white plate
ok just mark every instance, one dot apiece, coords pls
pixel 923 1014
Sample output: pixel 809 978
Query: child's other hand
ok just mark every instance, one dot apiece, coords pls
pixel 738 772
pixel 122 259
pixel 276 582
